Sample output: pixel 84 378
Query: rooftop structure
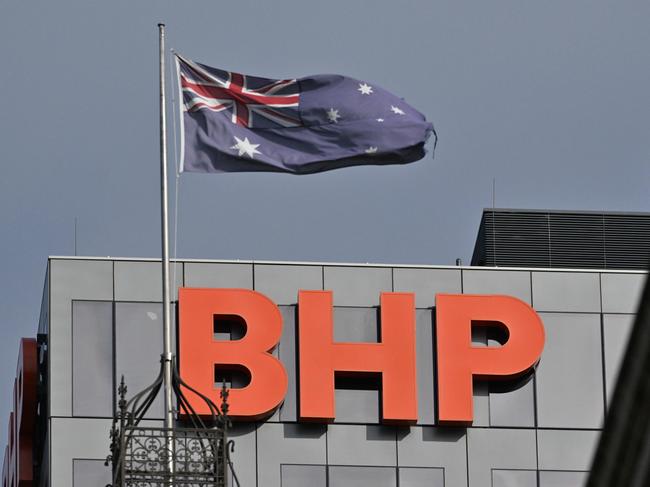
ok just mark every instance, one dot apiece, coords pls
pixel 563 239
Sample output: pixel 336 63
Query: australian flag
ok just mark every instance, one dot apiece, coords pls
pixel 236 123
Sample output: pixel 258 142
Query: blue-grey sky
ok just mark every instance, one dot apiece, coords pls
pixel 549 97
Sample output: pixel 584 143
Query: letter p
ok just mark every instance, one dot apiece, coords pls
pixel 459 362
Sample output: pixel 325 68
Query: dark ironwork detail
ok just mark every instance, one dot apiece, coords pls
pixel 196 453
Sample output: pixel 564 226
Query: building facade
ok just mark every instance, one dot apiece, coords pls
pixel 101 320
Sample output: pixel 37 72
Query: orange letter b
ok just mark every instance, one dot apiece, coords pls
pixel 200 353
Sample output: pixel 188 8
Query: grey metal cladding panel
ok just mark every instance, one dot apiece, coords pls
pixel 514 478
pixel 425 366
pixel 616 332
pixel 340 476
pixel 287 355
pixel 513 407
pixel 138 345
pixel 421 477
pixel 566 291
pixel 244 455
pixel 357 286
pixel 503 449
pixel 361 445
pixel 92 358
pixel 288 443
pixel 72 438
pixel 89 473
pixel 566 449
pixel 281 283
pixel 355 324
pixel 304 475
pixel 79 280
pixel 481 404
pixel 141 281
pixel 425 446
pixel 562 479
pixel 511 283
pixel 219 275
pixel 569 375
pixel 357 406
pixel 426 283
pixel 621 292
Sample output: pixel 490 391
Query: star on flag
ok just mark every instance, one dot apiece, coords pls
pixel 333 115
pixel 365 89
pixel 245 147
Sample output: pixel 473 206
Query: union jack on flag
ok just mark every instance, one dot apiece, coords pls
pixel 233 122
pixel 249 101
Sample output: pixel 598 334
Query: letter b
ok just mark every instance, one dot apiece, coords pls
pixel 200 353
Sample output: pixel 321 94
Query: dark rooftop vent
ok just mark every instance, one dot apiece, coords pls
pixel 563 239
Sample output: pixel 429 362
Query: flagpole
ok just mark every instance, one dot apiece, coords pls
pixel 167 352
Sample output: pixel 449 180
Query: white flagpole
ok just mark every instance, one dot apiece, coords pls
pixel 167 352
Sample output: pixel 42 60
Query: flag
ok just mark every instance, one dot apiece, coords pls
pixel 235 123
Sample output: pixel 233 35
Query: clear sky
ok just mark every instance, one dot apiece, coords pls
pixel 549 97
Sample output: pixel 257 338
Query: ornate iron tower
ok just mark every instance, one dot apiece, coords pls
pixel 195 452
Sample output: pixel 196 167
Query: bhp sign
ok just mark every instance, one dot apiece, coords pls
pixel 320 358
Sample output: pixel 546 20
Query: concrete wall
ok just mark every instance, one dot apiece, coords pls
pixel 105 321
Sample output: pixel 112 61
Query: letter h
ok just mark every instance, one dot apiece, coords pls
pixel 321 358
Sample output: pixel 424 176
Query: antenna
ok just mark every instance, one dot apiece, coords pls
pixel 494 222
pixel 75 236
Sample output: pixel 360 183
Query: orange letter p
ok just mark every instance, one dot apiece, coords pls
pixel 459 362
